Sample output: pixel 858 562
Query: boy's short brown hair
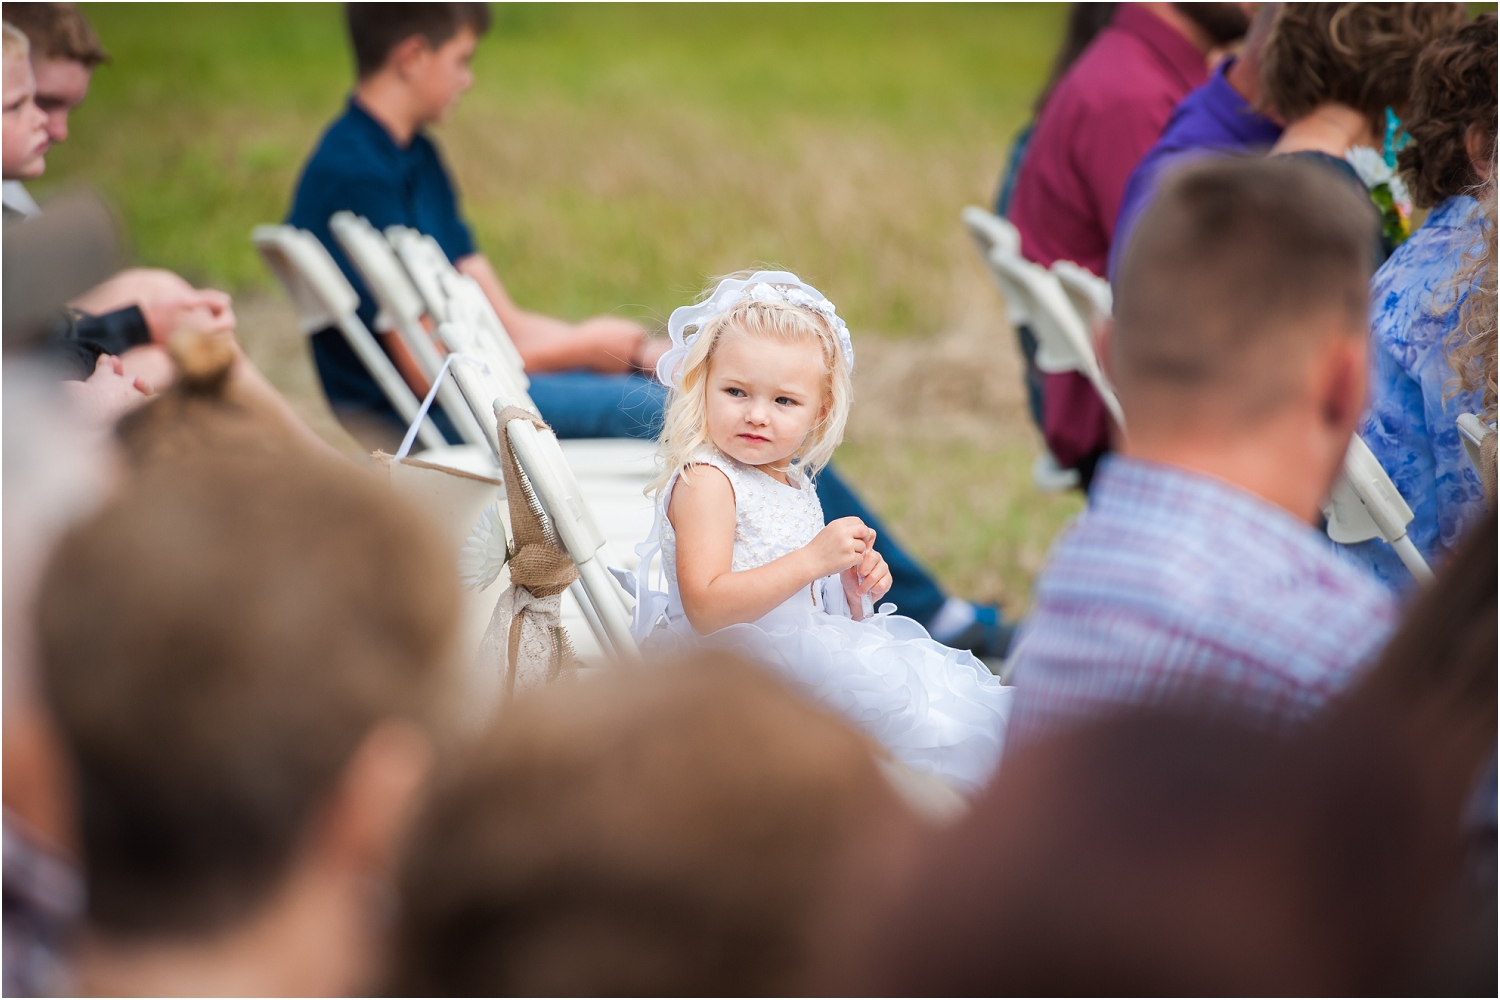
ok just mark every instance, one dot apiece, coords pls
pixel 375 29
pixel 1454 89
pixel 672 832
pixel 1229 262
pixel 1359 54
pixel 57 31
pixel 216 642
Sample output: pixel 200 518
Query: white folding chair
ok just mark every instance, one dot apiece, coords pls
pixel 1038 298
pixel 1365 504
pixel 1472 431
pixel 1064 343
pixel 993 235
pixel 455 297
pixel 324 298
pixel 613 472
pixel 401 308
pixel 556 489
pixel 413 249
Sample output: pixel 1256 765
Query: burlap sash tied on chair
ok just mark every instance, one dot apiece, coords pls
pixel 527 621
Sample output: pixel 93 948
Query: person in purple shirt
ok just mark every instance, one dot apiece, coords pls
pixel 1217 119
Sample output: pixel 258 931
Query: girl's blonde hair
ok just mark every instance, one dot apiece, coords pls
pixel 685 428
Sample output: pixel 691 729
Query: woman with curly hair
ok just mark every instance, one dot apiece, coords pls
pixel 1437 286
pixel 1337 74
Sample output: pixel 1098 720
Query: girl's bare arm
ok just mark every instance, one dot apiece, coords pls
pixel 713 596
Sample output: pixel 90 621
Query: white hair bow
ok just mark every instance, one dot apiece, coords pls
pixel 762 286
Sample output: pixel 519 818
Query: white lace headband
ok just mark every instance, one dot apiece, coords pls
pixel 762 286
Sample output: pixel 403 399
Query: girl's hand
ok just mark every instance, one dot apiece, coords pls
pixel 876 576
pixel 839 546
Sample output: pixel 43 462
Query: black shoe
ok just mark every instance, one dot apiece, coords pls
pixel 987 636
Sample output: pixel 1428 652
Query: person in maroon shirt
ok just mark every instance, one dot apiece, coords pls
pixel 1101 118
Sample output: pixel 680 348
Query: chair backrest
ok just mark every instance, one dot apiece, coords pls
pixel 319 291
pixel 1365 504
pixel 401 309
pixel 1472 431
pixel 415 253
pixel 992 234
pixel 400 304
pixel 1091 296
pixel 323 297
pixel 470 307
pixel 453 297
pixel 557 490
pixel 1064 343
pixel 990 231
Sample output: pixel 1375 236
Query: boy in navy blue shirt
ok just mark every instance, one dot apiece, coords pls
pixel 413 65
pixel 587 379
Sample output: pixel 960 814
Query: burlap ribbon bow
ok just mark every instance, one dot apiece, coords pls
pixel 527 618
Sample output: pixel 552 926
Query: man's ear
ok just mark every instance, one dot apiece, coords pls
pixel 409 55
pixel 1342 381
pixel 376 800
pixel 1104 337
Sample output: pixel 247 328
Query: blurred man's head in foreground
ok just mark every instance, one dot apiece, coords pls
pixel 677 831
pixel 247 656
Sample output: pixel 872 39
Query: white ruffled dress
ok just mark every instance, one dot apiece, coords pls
pixel 936 709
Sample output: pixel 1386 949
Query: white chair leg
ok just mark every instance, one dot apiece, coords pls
pixel 611 610
pixel 595 625
pixel 1413 560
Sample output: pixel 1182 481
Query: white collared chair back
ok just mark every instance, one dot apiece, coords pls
pixel 1472 431
pixel 455 297
pixel 546 469
pixel 401 308
pixel 1064 343
pixel 613 472
pixel 1365 504
pixel 1091 296
pixel 324 298
pixel 413 250
pixel 992 234
pixel 1038 298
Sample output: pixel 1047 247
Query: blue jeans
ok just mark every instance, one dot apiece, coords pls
pixel 581 404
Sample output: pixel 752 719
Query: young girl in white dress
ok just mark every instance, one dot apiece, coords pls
pixel 760 380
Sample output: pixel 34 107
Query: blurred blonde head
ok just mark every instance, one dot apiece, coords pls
pixel 685 427
pixel 16 44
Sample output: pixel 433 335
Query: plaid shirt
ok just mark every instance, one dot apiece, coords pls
pixel 1174 582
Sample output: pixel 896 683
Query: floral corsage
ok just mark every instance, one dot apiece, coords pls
pixel 1387 191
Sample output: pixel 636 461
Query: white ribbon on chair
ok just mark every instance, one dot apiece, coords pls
pixel 650 604
pixel 536 622
pixel 411 432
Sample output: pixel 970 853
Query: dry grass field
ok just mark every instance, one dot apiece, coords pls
pixel 612 158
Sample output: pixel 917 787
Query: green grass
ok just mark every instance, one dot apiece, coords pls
pixel 612 157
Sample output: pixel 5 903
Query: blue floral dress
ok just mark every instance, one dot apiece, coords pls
pixel 1409 424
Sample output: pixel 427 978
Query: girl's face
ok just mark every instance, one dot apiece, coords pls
pixel 764 395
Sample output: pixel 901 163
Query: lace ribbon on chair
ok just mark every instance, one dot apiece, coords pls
pixel 526 623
